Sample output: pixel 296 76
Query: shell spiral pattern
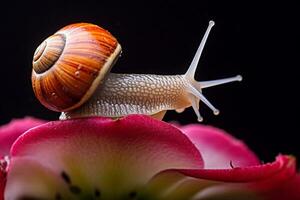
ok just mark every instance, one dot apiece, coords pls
pixel 69 65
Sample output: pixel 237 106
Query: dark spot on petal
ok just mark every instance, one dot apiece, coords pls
pixel 66 177
pixel 58 196
pixel 75 189
pixel 231 164
pixel 132 194
pixel 97 193
pixel 3 164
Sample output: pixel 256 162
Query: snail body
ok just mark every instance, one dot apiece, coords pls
pixel 104 93
pixel 124 94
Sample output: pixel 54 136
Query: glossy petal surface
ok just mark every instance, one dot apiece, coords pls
pixel 116 157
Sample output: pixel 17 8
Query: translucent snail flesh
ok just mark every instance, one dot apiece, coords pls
pixel 83 63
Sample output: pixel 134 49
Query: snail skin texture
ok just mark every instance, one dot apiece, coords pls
pixel 71 74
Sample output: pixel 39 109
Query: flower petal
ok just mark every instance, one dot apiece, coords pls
pixel 2 176
pixel 174 186
pixel 2 184
pixel 116 156
pixel 282 166
pixel 281 182
pixel 288 190
pixel 44 182
pixel 264 186
pixel 10 132
pixel 218 149
pixel 256 182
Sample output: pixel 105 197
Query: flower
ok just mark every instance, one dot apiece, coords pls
pixel 8 134
pixel 138 157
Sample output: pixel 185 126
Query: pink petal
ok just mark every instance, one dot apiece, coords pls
pixel 270 180
pixel 283 166
pixel 285 183
pixel 10 132
pixel 2 177
pixel 218 149
pixel 28 179
pixel 104 153
pixel 290 190
pixel 256 182
pixel 2 185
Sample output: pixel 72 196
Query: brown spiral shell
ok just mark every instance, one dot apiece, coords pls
pixel 69 65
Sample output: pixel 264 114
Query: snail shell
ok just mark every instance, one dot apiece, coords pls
pixel 69 65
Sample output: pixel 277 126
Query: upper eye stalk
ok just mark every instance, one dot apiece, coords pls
pixel 71 74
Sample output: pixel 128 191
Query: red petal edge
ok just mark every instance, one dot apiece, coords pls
pixel 284 167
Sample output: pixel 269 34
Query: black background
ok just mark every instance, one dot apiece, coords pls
pixel 257 40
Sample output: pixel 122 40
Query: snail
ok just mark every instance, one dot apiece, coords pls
pixel 71 74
